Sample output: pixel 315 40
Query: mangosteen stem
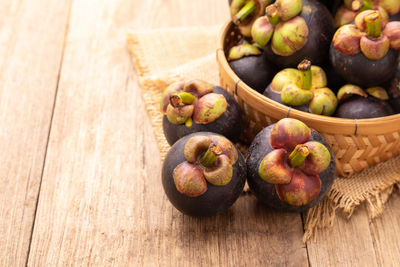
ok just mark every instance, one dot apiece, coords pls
pixel 210 156
pixel 181 98
pixel 366 5
pixel 306 75
pixel 298 156
pixel 272 13
pixel 356 5
pixel 243 13
pixel 373 24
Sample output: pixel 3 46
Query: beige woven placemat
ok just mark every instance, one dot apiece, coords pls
pixel 164 56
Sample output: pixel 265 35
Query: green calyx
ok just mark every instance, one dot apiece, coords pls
pixel 284 10
pixel 299 94
pixel 295 96
pixel 209 108
pixel 324 102
pixel 243 50
pixel 378 92
pixel 306 85
pixel 348 90
pixel 262 31
pixel 290 36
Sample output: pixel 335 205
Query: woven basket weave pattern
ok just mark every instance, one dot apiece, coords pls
pixel 354 151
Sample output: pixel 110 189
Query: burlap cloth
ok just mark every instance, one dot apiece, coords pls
pixel 164 56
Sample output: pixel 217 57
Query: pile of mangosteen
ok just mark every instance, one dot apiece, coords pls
pixel 289 166
pixel 332 58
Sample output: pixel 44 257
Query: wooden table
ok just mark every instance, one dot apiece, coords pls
pixel 80 170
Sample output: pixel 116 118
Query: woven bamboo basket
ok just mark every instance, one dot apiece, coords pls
pixel 357 144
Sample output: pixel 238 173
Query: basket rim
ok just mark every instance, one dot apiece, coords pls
pixel 332 125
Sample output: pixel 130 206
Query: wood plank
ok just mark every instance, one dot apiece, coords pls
pixel 31 46
pixel 101 200
pixel 386 235
pixel 348 243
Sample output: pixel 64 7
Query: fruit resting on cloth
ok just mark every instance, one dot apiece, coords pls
pixel 197 106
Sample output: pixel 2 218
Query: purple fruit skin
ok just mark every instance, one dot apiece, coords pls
pixel 358 107
pixel 357 69
pixel 217 199
pixel 266 192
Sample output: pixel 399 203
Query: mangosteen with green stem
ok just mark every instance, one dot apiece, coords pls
pixel 248 64
pixel 304 89
pixel 203 174
pixel 351 8
pixel 198 106
pixel 245 12
pixel 366 53
pixel 355 103
pixel 293 30
pixel 290 167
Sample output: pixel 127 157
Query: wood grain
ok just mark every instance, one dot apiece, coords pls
pixel 386 235
pixel 101 200
pixel 31 47
pixel 348 243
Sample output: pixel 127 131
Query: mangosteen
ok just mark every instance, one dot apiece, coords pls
pixel 303 89
pixel 351 8
pixel 248 64
pixel 245 12
pixel 355 103
pixel 290 167
pixel 394 91
pixel 293 30
pixel 198 106
pixel 366 53
pixel 203 174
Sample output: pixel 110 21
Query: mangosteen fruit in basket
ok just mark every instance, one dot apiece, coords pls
pixel 355 103
pixel 293 30
pixel 203 174
pixel 248 64
pixel 366 53
pixel 245 12
pixel 351 8
pixel 198 106
pixel 304 89
pixel 290 167
pixel 394 91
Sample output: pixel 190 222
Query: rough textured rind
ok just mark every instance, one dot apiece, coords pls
pixel 266 192
pixel 216 199
pixel 229 124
